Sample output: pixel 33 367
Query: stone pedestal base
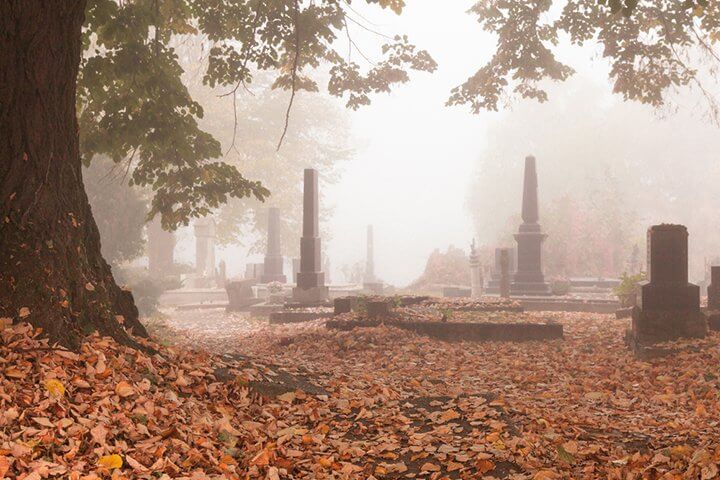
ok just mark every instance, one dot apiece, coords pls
pixel 650 327
pixel 312 295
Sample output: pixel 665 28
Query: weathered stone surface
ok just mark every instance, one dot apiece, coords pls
pixel 529 278
pixel 714 289
pixel 669 306
pixel 310 279
pixel 273 264
pixel 240 294
pixel 470 332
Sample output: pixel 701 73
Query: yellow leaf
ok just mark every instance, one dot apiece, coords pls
pixel 55 388
pixel 111 461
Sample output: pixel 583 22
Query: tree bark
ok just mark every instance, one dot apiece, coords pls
pixel 52 273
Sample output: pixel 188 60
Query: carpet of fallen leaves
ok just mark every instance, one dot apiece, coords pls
pixel 299 401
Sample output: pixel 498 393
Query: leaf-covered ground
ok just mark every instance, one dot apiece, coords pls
pixel 369 403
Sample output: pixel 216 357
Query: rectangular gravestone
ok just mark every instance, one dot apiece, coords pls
pixel 669 306
pixel 714 289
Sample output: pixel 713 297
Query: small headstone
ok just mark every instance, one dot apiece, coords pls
pixel 476 276
pixel 377 309
pixel 345 304
pixel 504 273
pixel 240 294
pixel 669 306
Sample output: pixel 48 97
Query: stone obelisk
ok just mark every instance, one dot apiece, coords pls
pixel 273 265
pixel 310 287
pixel 529 278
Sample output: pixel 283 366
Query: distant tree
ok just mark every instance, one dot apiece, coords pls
pixel 653 46
pixel 135 109
pixel 119 210
pixel 318 137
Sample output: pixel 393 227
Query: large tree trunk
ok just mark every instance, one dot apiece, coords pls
pixel 51 271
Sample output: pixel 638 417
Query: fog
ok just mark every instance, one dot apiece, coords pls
pixel 428 176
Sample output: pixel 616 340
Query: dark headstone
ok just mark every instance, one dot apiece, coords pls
pixel 273 265
pixel 310 279
pixel 345 304
pixel 669 306
pixel 529 278
pixel 378 309
pixel 714 289
pixel 505 273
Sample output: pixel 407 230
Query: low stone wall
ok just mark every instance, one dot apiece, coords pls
pixel 472 332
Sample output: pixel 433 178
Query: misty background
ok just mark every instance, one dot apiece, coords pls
pixel 427 176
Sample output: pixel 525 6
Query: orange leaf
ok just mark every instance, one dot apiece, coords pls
pixel 111 461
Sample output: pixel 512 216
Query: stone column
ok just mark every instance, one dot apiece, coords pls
pixel 505 273
pixel 273 265
pixel 205 247
pixel 669 306
pixel 529 278
pixel 476 276
pixel 369 257
pixel 161 245
pixel 310 279
pixel 714 289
